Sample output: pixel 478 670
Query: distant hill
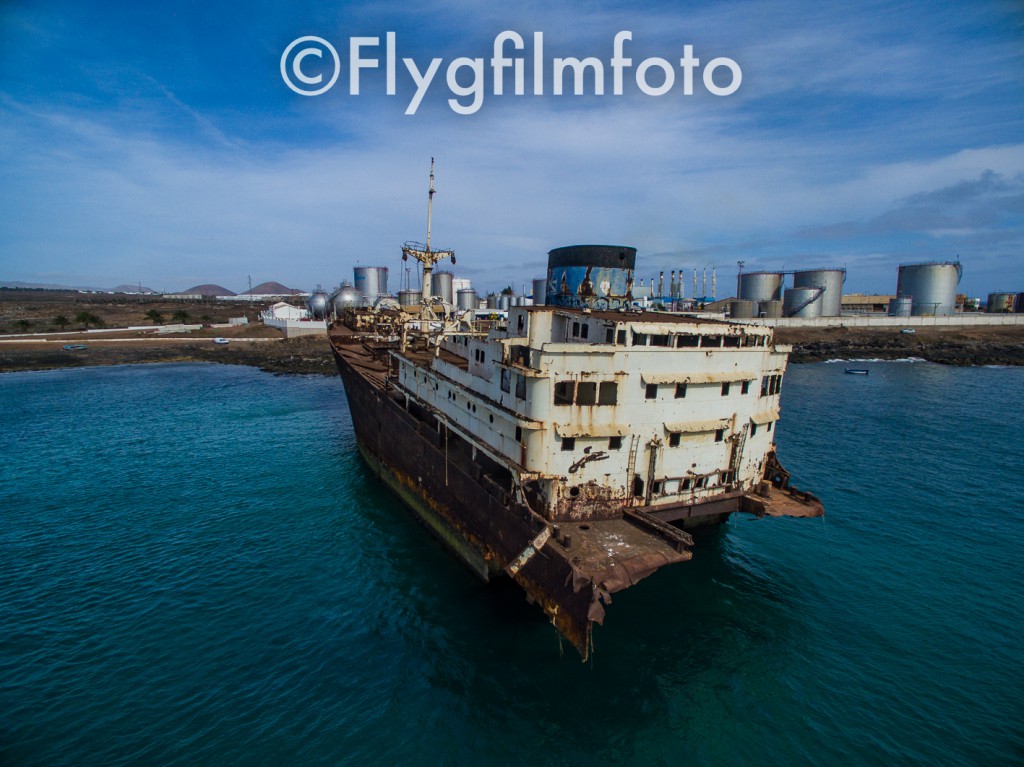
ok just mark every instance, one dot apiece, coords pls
pixel 15 285
pixel 271 289
pixel 209 290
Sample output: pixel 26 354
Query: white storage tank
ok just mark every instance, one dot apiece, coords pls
pixel 933 286
pixel 409 297
pixel 466 299
pixel 371 282
pixel 901 306
pixel 802 302
pixel 759 286
pixel 831 281
pixel 742 310
pixel 770 309
pixel 441 285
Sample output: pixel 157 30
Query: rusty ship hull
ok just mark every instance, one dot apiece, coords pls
pixel 568 567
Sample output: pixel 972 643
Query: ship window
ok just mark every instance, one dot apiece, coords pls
pixel 680 390
pixel 725 477
pixel 575 330
pixel 491 418
pixel 609 335
pixel 621 338
pixel 744 387
pixel 522 322
pixel 568 443
pixel 764 386
pixel 778 384
pixel 651 392
pixel 506 381
pixel 639 339
pixel 519 434
pixel 732 341
pixel 585 331
pixel 673 439
pixel 753 429
pixel 660 340
pixel 656 487
pixel 711 341
pixel 586 393
pixel 615 443
pixel 564 392
pixel 638 486
pixel 608 394
pixel 687 341
pixel 725 389
pixel 686 484
pixel 521 387
pixel 751 341
pixel 769 426
pixel 719 435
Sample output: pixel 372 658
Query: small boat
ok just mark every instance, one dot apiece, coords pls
pixel 74 347
pixel 857 371
pixel 220 340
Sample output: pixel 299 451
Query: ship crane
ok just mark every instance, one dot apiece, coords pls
pixel 422 252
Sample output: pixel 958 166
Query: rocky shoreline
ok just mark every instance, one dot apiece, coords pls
pixel 311 354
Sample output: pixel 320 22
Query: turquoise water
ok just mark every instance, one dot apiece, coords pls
pixel 195 568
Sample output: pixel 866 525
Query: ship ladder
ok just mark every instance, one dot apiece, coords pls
pixel 631 467
pixel 737 454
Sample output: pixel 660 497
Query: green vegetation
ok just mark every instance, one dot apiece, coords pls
pixel 23 325
pixel 61 321
pixel 85 319
pixel 153 314
pixel 180 316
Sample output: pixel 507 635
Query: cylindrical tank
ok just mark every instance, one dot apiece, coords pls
pixel 540 291
pixel 829 279
pixel 901 306
pixel 371 282
pixel 772 309
pixel 441 285
pixel 316 304
pixel 742 310
pixel 492 301
pixel 932 285
pixel 504 302
pixel 1001 303
pixel 759 286
pixel 593 276
pixel 481 303
pixel 466 299
pixel 802 302
pixel 409 297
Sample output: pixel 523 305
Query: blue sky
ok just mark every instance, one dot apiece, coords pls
pixel 160 144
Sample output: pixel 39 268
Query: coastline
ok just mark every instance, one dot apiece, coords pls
pixel 311 354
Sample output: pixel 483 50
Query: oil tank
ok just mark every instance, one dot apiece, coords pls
pixel 759 286
pixel 371 282
pixel 345 296
pixel 933 286
pixel 492 301
pixel 831 280
pixel 742 310
pixel 441 285
pixel 591 276
pixel 466 299
pixel 901 306
pixel 540 291
pixel 1001 303
pixel 772 309
pixel 802 302
pixel 409 297
pixel 316 304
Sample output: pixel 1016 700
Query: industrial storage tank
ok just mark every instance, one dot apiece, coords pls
pixel 466 299
pixel 504 302
pixel 901 306
pixel 1001 303
pixel 759 286
pixel 492 301
pixel 345 296
pixel 591 276
pixel 831 280
pixel 771 309
pixel 933 286
pixel 371 282
pixel 409 297
pixel 742 310
pixel 317 303
pixel 540 291
pixel 802 302
pixel 441 285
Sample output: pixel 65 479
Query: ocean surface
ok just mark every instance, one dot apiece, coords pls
pixel 197 569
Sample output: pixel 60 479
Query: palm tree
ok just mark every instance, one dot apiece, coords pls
pixel 23 325
pixel 86 319
pixel 153 314
pixel 61 321
pixel 180 316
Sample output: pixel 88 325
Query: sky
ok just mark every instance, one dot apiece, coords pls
pixel 159 143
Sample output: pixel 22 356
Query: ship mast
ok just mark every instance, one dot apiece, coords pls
pixel 422 252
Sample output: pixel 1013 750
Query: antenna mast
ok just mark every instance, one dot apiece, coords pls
pixel 422 252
